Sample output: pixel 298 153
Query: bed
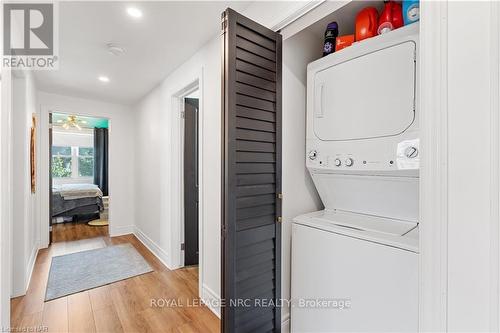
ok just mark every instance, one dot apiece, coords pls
pixel 70 200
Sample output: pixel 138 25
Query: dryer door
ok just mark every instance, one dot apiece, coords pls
pixel 366 97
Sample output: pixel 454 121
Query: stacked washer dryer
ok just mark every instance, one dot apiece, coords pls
pixel 355 263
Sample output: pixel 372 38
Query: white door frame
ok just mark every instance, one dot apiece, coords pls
pixel 180 98
pixel 43 169
pixel 433 171
pixel 177 176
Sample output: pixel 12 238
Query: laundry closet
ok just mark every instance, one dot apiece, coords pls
pixel 351 172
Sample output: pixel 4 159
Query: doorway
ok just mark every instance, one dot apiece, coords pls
pixel 78 177
pixel 191 180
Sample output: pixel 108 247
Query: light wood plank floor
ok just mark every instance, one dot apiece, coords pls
pixel 70 231
pixel 124 306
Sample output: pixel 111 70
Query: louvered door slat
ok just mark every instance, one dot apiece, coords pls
pixel 255 81
pixel 254 48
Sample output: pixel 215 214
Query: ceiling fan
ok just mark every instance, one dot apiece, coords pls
pixel 72 121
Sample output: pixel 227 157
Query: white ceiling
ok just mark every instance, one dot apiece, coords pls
pixel 165 37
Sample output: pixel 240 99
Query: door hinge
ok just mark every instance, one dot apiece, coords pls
pixel 183 246
pixel 279 219
pixel 279 195
pixel 183 114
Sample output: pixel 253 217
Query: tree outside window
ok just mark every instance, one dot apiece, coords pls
pixel 61 162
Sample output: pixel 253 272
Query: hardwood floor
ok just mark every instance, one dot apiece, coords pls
pixel 124 306
pixel 70 231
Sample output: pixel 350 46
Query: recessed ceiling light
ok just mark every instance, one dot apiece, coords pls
pixel 134 12
pixel 103 78
pixel 115 49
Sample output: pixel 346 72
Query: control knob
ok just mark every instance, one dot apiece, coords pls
pixel 411 152
pixel 349 162
pixel 338 162
pixel 312 155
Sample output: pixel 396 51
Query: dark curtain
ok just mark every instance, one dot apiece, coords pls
pixel 101 159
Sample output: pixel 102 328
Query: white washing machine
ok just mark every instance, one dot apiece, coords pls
pixel 370 276
pixel 355 263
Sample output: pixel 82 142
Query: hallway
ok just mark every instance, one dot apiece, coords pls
pixel 124 306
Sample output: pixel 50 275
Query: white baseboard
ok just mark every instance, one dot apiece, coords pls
pixel 211 300
pixel 21 290
pixel 121 230
pixel 152 246
pixel 31 264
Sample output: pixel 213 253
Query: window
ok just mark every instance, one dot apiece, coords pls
pixel 72 162
pixel 61 162
pixel 85 162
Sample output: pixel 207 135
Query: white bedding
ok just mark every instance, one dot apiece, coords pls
pixel 77 191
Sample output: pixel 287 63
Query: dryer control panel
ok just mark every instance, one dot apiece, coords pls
pixel 399 155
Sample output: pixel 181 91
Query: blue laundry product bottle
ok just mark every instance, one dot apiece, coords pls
pixel 331 33
pixel 411 11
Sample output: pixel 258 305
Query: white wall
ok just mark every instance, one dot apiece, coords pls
pixel 121 157
pixel 25 232
pixel 5 196
pixel 72 138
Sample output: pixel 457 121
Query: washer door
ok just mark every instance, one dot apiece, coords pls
pixel 368 96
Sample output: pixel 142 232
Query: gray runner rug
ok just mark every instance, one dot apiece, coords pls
pixel 75 272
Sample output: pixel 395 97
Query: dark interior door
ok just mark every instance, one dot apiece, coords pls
pixel 251 179
pixel 191 181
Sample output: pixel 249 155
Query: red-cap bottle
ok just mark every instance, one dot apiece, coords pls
pixel 391 17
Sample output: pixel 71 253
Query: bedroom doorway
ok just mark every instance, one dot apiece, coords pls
pixel 78 177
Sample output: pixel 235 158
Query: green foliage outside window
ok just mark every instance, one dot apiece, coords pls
pixel 85 162
pixel 85 166
pixel 61 166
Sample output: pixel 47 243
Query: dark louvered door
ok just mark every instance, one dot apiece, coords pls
pixel 251 202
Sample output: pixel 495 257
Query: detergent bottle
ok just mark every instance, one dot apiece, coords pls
pixel 331 33
pixel 411 11
pixel 391 17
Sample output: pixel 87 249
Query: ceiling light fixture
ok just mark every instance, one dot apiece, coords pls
pixel 134 12
pixel 103 78
pixel 72 121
